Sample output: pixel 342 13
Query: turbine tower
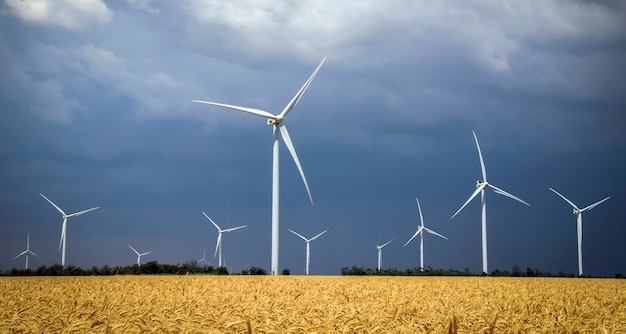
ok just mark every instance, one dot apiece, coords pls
pixel 218 246
pixel 279 130
pixel 420 231
pixel 579 226
pixel 139 255
pixel 308 250
pixel 203 259
pixel 481 185
pixel 27 251
pixel 64 227
pixel 380 252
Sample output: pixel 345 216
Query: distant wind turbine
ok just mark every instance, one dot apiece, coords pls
pixel 579 225
pixel 139 255
pixel 64 227
pixel 480 188
pixel 420 231
pixel 308 251
pixel 280 130
pixel 203 259
pixel 218 245
pixel 27 251
pixel 380 252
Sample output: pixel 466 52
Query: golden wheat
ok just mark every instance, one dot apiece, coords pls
pixel 299 304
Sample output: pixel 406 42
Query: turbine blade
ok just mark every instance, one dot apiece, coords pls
pixel 209 218
pixel 414 235
pixel 566 200
pixel 419 207
pixel 435 233
pixel 22 253
pixel 81 212
pixel 298 95
pixel 317 236
pixel 480 155
pixel 504 193
pixel 594 204
pixel 134 250
pixel 478 190
pixel 234 228
pixel 387 243
pixel 146 253
pixel 33 253
pixel 285 134
pixel 253 111
pixel 217 244
pixel 63 232
pixel 54 205
pixel 296 233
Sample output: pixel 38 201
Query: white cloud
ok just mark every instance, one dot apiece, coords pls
pixel 69 14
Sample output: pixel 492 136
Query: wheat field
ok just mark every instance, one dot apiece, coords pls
pixel 300 304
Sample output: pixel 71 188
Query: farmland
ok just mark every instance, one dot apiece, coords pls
pixel 299 304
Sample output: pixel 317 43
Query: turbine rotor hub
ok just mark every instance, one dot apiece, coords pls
pixel 479 183
pixel 576 211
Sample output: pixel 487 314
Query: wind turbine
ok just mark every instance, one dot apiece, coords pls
pixel 308 250
pixel 380 252
pixel 64 227
pixel 139 255
pixel 203 259
pixel 481 185
pixel 27 251
pixel 280 130
pixel 579 226
pixel 420 231
pixel 218 246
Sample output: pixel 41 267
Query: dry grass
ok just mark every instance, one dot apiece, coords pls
pixel 297 304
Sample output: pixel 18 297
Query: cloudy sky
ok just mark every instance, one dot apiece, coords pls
pixel 95 110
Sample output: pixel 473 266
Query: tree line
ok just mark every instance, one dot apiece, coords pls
pixel 516 271
pixel 192 268
pixel 148 268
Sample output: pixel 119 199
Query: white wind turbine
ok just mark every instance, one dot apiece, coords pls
pixel 579 226
pixel 139 255
pixel 203 259
pixel 280 130
pixel 218 246
pixel 480 188
pixel 27 251
pixel 420 231
pixel 380 252
pixel 308 250
pixel 64 227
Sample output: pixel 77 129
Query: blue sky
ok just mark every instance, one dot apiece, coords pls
pixel 96 110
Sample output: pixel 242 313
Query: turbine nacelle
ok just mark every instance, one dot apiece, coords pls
pixel 576 211
pixel 479 183
pixel 275 121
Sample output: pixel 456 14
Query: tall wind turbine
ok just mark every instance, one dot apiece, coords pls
pixel 64 227
pixel 308 250
pixel 27 251
pixel 420 231
pixel 139 255
pixel 203 259
pixel 279 130
pixel 218 246
pixel 380 252
pixel 481 185
pixel 579 226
